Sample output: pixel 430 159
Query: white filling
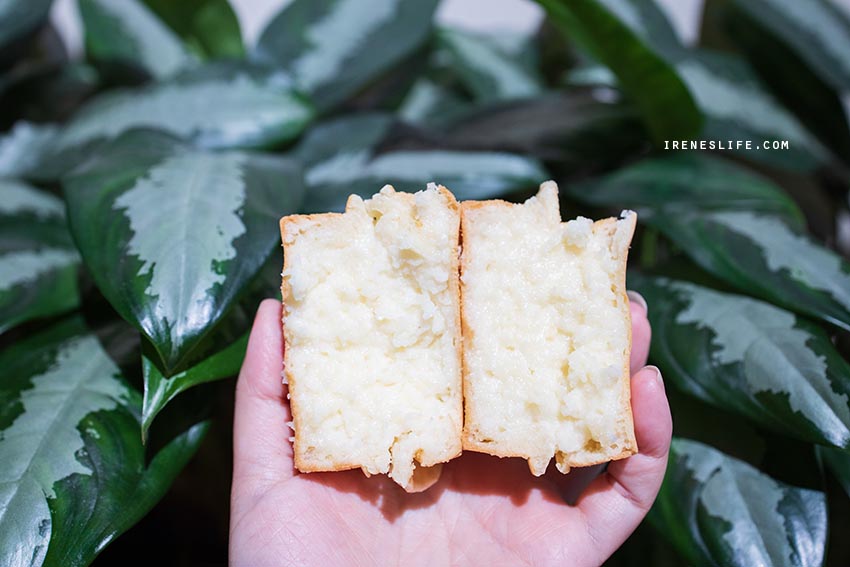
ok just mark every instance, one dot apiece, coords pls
pixel 550 333
pixel 371 324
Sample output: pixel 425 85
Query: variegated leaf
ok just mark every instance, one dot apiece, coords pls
pixel 74 472
pixel 687 182
pixel 750 357
pixel 340 159
pixel 764 256
pixel 486 68
pixel 38 260
pixel 333 48
pixel 126 31
pixel 208 27
pixel 717 510
pixel 817 30
pixel 23 149
pixel 172 234
pixel 218 105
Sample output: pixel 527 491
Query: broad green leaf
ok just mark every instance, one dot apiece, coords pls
pixel 817 30
pixel 488 70
pixel 750 357
pixel 573 129
pixel 341 158
pixel 219 105
pixel 38 260
pixel 469 175
pixel 431 104
pixel 334 48
pixel 209 27
pixel 74 473
pixel 773 47
pixel 687 182
pixel 126 31
pixel 637 43
pixel 764 256
pixel 172 235
pixel 717 510
pixel 737 107
pixel 218 356
pixel 24 147
pixel 20 17
pixel 838 462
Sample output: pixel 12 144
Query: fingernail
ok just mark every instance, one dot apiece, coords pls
pixel 658 376
pixel 635 297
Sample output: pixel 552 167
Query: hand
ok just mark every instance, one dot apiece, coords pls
pixel 483 510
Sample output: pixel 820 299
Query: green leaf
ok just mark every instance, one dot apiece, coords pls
pixel 749 357
pixel 24 147
pixel 21 17
pixel 763 256
pixel 838 462
pixel 737 107
pixel 488 70
pixel 633 39
pixel 573 129
pixel 38 261
pixel 782 64
pixel 687 182
pixel 126 31
pixel 430 104
pixel 334 48
pixel 209 27
pixel 172 234
pixel 219 356
pixel 340 158
pixel 75 474
pixel 817 30
pixel 219 105
pixel 717 510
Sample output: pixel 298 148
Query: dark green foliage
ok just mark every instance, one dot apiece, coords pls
pixel 141 185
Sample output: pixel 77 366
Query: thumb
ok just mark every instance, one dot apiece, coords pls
pixel 262 453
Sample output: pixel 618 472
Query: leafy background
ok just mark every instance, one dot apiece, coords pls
pixel 140 186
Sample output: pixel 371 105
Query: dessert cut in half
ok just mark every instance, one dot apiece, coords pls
pixel 372 335
pixel 546 333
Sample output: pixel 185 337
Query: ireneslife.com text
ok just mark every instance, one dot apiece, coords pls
pixel 725 145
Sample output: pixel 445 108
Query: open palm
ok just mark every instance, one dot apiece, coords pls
pixel 483 510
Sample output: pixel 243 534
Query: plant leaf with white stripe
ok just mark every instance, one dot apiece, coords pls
pixel 126 31
pixel 74 473
pixel 764 256
pixel 172 235
pixel 750 357
pixel 687 182
pixel 38 260
pixel 24 147
pixel 717 510
pixel 334 48
pixel 486 68
pixel 20 17
pixel 218 105
pixel 340 158
pixel 817 31
pixel 737 107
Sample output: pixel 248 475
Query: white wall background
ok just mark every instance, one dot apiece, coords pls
pixel 515 15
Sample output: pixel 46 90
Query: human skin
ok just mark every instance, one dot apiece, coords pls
pixel 483 510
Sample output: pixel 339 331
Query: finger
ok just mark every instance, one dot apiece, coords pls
pixel 616 502
pixel 641 332
pixel 262 453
